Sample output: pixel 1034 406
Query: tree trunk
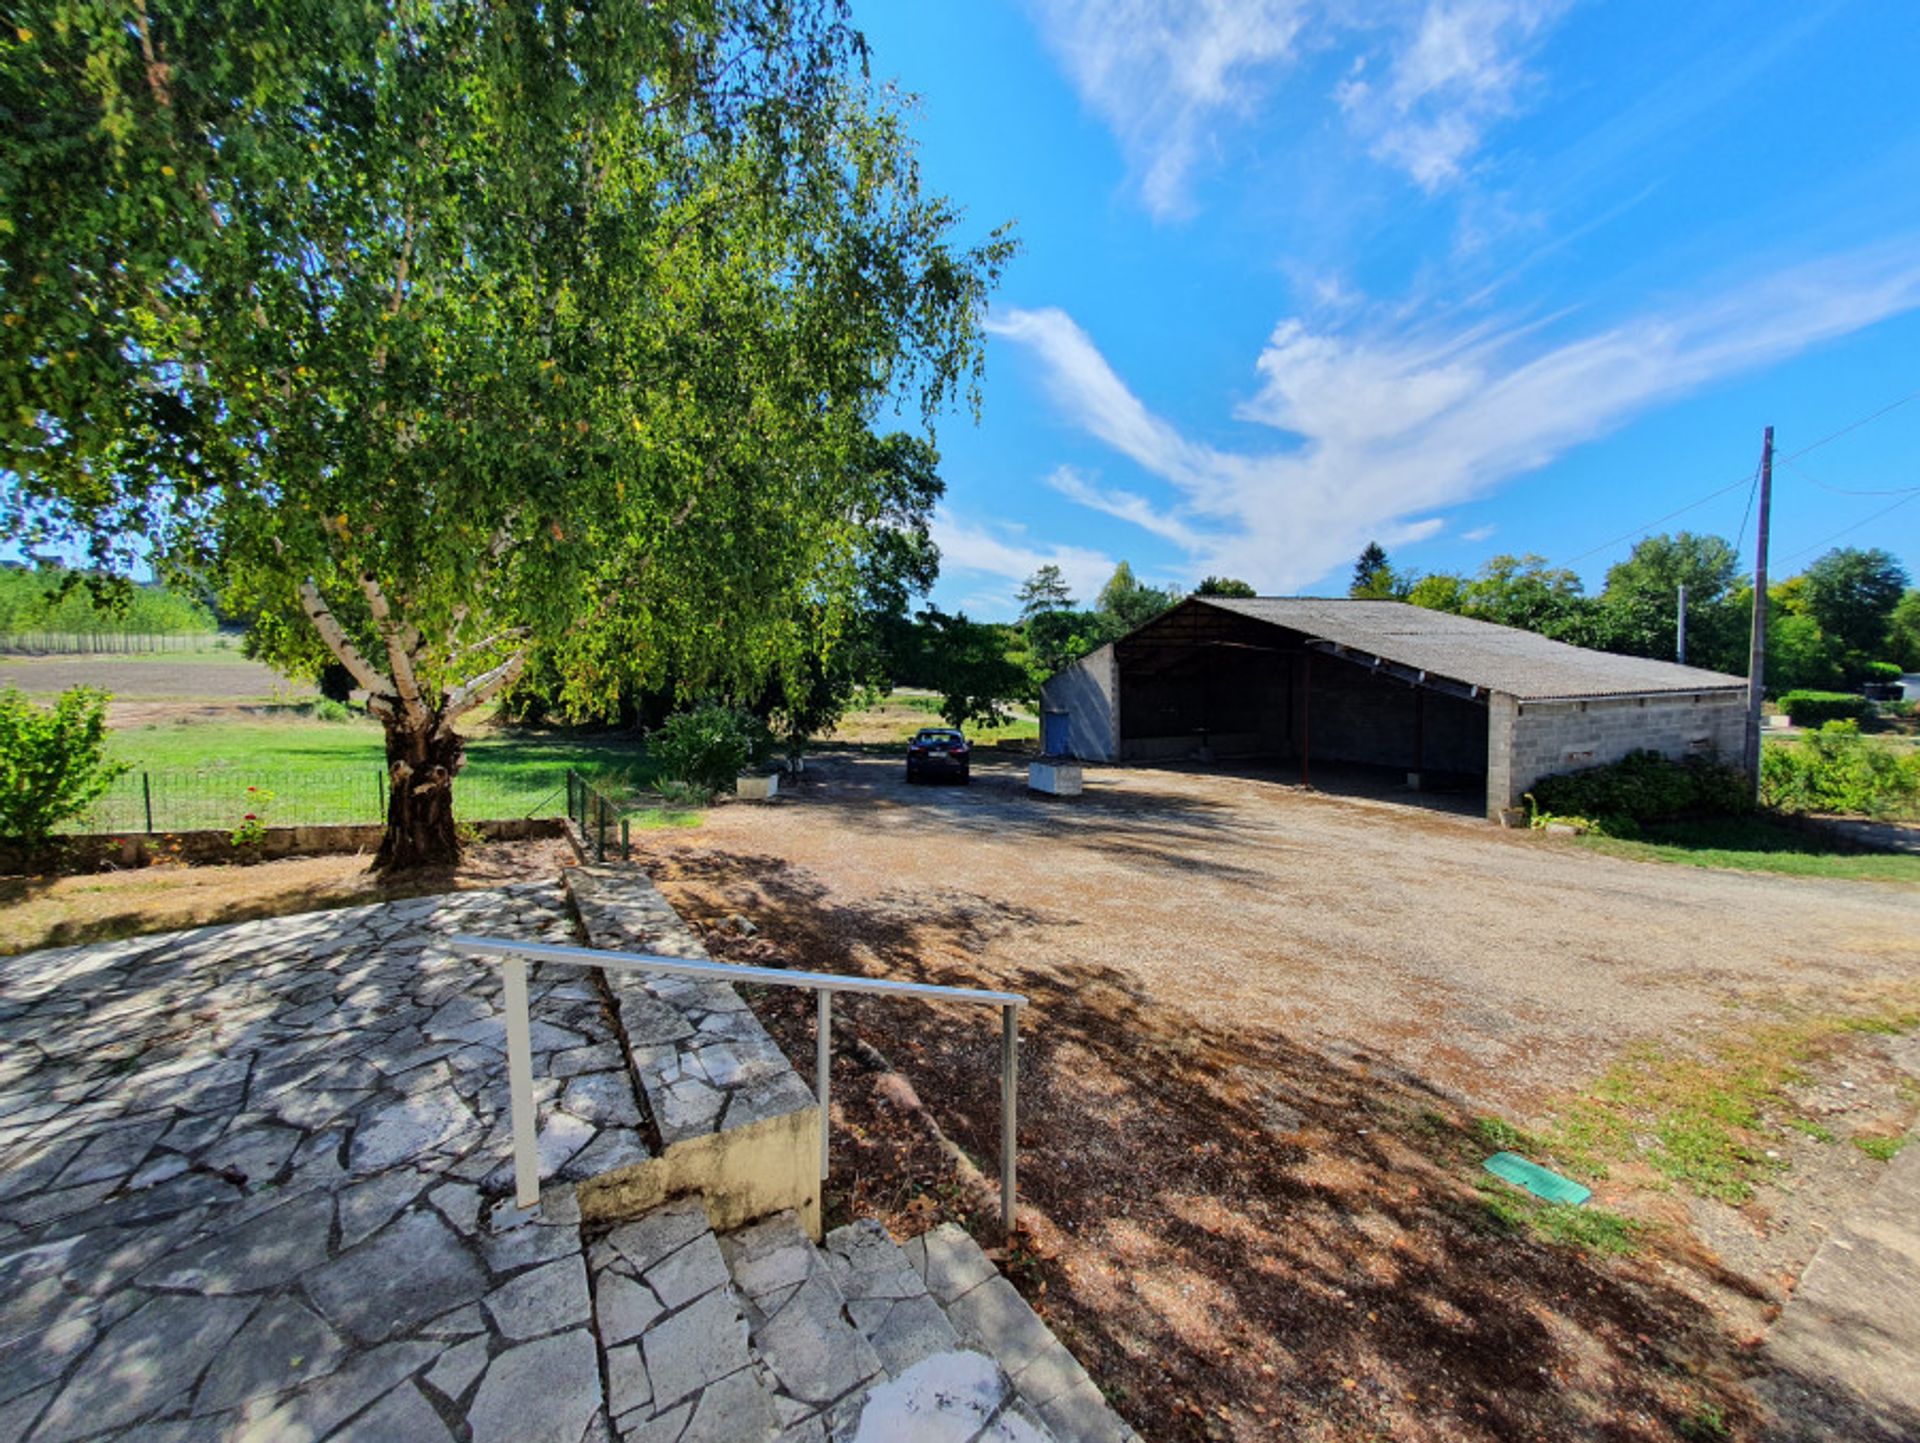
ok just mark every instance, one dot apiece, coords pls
pixel 420 771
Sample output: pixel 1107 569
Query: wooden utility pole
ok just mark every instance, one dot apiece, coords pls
pixel 1680 628
pixel 1757 658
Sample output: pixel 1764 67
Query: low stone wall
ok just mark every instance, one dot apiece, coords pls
pixel 103 851
pixel 735 1120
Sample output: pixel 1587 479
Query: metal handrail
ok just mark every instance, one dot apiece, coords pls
pixel 526 1153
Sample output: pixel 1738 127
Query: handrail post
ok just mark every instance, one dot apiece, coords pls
pixel 526 1148
pixel 1009 1121
pixel 823 1066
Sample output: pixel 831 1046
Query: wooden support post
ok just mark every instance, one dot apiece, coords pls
pixel 1306 720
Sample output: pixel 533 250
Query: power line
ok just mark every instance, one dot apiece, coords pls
pixel 1911 496
pixel 1751 479
pixel 1747 515
pixel 1852 426
pixel 1660 521
pixel 1807 475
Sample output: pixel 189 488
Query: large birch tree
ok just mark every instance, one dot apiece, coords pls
pixel 434 331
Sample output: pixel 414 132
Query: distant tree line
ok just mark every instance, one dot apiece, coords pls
pixel 51 598
pixel 1848 618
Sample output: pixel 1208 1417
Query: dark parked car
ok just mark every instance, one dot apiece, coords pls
pixel 937 752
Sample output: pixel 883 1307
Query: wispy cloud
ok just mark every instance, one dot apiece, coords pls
pixel 1159 71
pixel 1387 428
pixel 1479 533
pixel 1427 80
pixel 1460 69
pixel 974 551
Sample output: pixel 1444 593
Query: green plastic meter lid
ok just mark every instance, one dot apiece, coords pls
pixel 1513 1168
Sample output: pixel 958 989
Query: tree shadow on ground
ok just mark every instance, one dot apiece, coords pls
pixel 1140 825
pixel 126 904
pixel 1239 1235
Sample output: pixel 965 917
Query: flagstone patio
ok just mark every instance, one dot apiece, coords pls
pixel 248 1178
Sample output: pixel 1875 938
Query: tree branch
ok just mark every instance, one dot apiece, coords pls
pixel 337 642
pixel 512 633
pixel 399 653
pixel 481 689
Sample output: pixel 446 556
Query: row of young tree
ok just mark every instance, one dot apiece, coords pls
pixel 1848 618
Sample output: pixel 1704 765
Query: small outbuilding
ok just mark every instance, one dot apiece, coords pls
pixel 1383 684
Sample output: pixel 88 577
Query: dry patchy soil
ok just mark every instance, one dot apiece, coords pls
pixel 1265 1023
pixel 59 911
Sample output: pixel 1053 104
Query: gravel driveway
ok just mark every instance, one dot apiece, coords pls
pixel 1493 964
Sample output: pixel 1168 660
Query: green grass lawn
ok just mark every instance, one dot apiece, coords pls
pixel 199 773
pixel 1756 844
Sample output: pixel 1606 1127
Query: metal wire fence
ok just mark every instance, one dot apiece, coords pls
pixel 180 800
pixel 111 643
pixel 601 820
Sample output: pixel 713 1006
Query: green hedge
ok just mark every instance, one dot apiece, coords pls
pixel 1816 708
pixel 1835 769
pixel 1644 786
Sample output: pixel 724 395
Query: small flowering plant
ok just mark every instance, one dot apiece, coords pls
pixel 252 830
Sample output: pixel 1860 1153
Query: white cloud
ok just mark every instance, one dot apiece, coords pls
pixel 1387 428
pixel 1457 72
pixel 1164 75
pixel 1479 533
pixel 1157 71
pixel 976 551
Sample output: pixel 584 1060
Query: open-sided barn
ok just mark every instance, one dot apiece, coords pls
pixel 1380 683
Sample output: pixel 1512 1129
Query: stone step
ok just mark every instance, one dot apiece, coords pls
pixel 989 1315
pixel 673 1332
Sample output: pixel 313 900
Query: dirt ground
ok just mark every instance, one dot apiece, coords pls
pixel 202 686
pixel 1490 964
pixel 96 907
pixel 1264 1025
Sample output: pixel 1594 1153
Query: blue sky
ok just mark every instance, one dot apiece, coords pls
pixel 1468 276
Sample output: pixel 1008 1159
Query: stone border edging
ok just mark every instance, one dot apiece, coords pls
pixel 736 1121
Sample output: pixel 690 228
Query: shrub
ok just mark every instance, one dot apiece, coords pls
pixel 1835 769
pixel 707 747
pixel 1644 786
pixel 336 683
pixel 53 761
pixel 1815 708
pixel 329 710
pixel 1882 671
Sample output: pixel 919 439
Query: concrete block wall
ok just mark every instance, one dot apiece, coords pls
pixel 1528 740
pixel 1089 693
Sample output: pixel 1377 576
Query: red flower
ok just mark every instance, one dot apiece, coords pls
pixel 251 818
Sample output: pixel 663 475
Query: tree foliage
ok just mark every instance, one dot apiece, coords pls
pixel 1369 571
pixel 1903 632
pixel 440 333
pixel 53 762
pixel 1852 594
pixel 1224 586
pixel 1131 602
pixel 1045 590
pixel 53 598
pixel 973 665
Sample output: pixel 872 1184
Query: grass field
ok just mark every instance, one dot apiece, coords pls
pixel 198 773
pixel 1756 844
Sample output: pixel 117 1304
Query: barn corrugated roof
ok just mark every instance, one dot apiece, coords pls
pixel 1478 653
